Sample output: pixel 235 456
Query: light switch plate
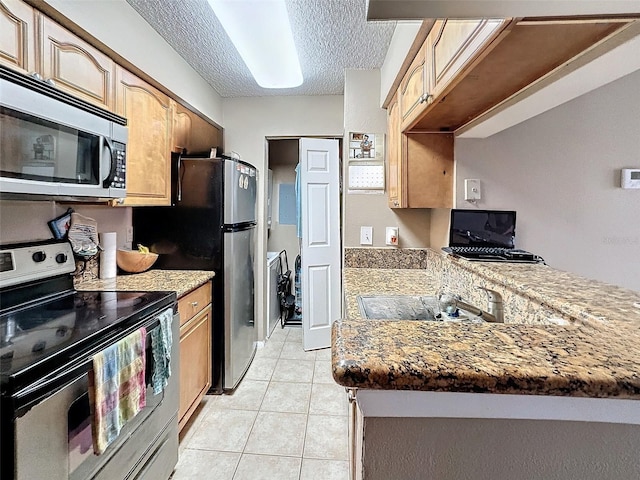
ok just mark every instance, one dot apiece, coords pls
pixel 366 235
pixel 472 189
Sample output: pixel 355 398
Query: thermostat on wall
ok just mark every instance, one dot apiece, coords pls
pixel 630 178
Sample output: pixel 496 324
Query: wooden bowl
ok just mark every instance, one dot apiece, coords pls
pixel 132 261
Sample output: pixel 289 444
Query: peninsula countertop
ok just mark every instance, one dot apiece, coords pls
pixel 179 281
pixel 595 355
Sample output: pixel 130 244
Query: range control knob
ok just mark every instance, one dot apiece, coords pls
pixel 39 256
pixel 61 258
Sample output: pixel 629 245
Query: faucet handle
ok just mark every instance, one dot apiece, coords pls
pixel 492 295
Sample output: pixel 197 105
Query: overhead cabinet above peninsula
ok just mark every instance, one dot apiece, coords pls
pixel 464 71
pixel 472 66
pixel 31 42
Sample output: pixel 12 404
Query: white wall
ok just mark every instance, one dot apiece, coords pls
pixel 362 113
pixel 116 24
pixel 560 172
pixel 283 158
pixel 401 41
pixel 248 122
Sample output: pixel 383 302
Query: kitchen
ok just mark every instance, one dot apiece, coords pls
pixel 247 121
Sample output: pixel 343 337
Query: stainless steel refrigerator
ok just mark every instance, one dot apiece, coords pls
pixel 211 226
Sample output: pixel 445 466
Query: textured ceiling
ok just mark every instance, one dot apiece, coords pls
pixel 330 35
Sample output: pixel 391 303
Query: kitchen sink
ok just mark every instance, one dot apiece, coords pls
pixel 408 307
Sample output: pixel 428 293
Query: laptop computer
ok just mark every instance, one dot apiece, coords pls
pixel 485 235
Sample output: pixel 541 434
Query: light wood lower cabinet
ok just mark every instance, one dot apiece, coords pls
pixel 195 350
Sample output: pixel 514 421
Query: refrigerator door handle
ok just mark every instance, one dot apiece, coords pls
pixel 179 179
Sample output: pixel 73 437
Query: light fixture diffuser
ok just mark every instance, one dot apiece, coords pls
pixel 261 32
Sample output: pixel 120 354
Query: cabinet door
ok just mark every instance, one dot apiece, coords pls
pixel 394 160
pixel 195 363
pixel 429 169
pixel 203 135
pixel 75 66
pixel 452 45
pixel 150 122
pixel 181 129
pixel 17 36
pixel 193 133
pixel 413 88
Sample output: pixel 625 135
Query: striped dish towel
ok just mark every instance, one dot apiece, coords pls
pixel 117 388
pixel 161 341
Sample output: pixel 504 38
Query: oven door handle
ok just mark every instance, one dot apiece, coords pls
pixel 35 393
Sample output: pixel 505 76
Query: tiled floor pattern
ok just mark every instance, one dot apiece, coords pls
pixel 286 421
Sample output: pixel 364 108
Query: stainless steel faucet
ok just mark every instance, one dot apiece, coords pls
pixel 495 311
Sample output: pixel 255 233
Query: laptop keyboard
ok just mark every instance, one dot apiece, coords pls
pixel 480 250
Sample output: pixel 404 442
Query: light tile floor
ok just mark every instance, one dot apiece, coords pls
pixel 287 420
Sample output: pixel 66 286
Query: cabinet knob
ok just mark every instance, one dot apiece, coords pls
pixel 194 304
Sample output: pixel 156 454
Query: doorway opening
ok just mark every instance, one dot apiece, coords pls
pixel 285 232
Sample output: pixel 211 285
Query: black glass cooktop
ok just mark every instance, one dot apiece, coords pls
pixel 64 327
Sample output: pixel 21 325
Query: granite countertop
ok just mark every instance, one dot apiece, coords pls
pixel 179 281
pixel 595 357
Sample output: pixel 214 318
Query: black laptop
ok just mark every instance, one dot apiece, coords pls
pixel 485 235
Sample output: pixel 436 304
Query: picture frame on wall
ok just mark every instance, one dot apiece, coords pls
pixel 366 146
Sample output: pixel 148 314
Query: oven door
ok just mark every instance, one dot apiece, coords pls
pixel 53 439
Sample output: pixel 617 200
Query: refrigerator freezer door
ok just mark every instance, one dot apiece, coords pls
pixel 198 183
pixel 239 192
pixel 240 334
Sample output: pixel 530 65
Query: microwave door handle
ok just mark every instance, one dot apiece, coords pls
pixel 104 141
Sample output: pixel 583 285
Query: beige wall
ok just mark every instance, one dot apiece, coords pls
pixel 482 449
pixel 25 221
pixel 561 172
pixel 283 158
pixel 362 113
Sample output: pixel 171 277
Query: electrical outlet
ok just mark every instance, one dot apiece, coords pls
pixel 129 234
pixel 366 235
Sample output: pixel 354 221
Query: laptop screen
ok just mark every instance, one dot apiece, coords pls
pixel 482 228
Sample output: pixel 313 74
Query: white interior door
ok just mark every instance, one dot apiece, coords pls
pixel 320 192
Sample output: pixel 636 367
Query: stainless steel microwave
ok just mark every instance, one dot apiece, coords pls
pixel 53 145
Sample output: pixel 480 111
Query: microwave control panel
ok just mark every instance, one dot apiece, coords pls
pixel 119 180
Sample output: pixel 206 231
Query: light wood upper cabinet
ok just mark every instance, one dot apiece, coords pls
pixel 17 36
pixel 181 129
pixel 414 88
pixel 195 350
pixel 193 133
pixel 150 120
pixel 394 165
pixel 476 68
pixel 452 44
pixel 75 66
pixel 428 164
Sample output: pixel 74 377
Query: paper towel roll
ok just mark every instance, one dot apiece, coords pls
pixel 108 264
pixel 108 240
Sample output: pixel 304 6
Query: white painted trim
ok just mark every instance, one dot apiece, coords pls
pixel 399 403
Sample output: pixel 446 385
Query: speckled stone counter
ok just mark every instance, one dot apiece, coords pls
pixel 596 356
pixel 179 281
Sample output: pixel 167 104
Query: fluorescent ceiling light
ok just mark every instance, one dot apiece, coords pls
pixel 261 32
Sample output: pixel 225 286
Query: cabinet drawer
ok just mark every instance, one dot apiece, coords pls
pixel 194 302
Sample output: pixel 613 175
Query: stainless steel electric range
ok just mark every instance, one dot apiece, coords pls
pixel 49 333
